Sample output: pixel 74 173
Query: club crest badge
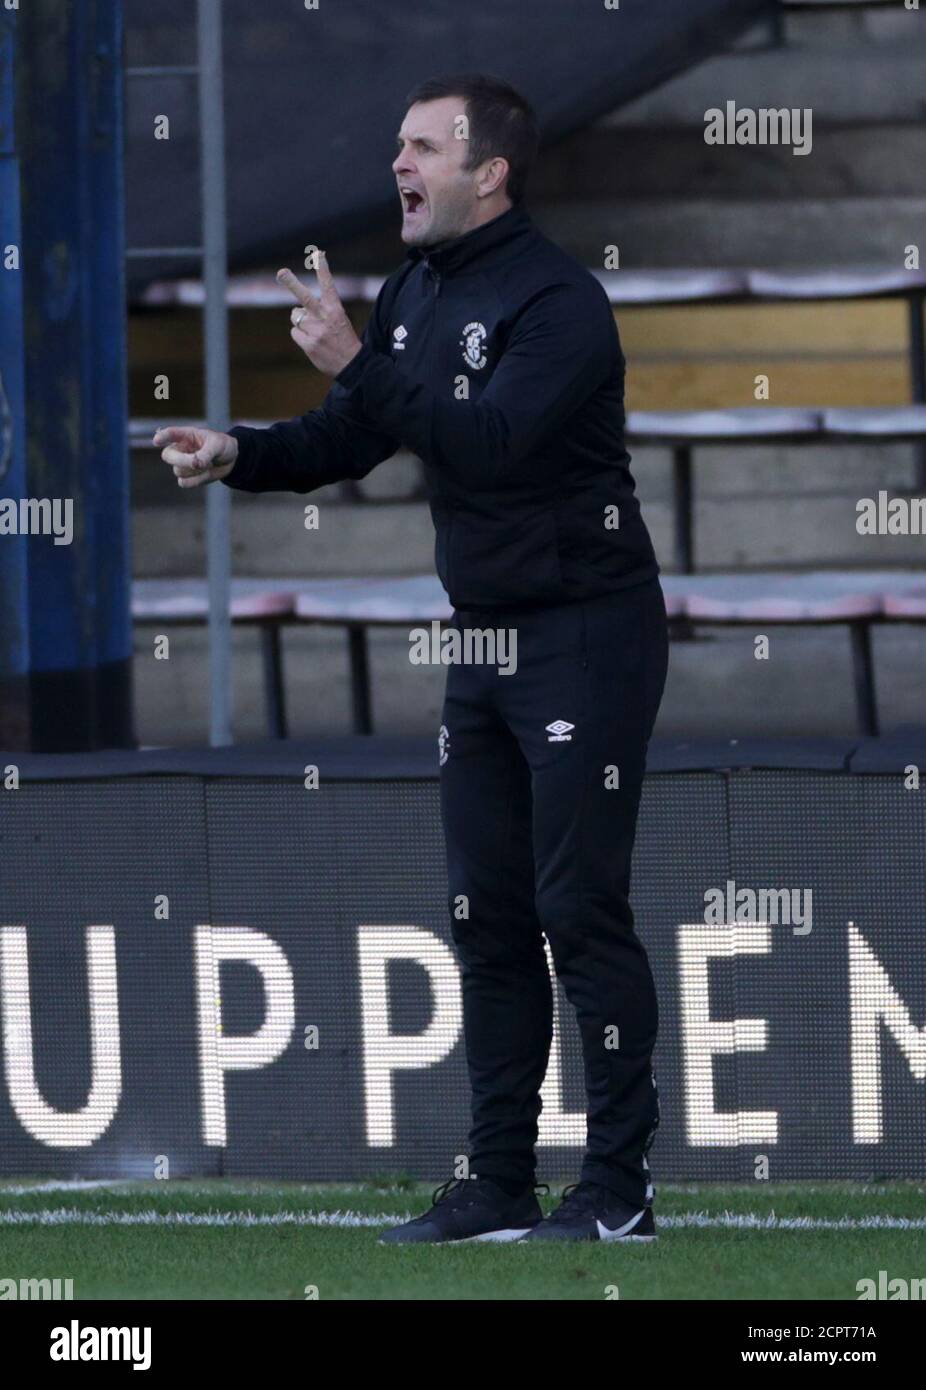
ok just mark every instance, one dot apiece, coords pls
pixel 472 343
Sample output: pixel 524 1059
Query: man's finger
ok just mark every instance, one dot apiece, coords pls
pixel 201 459
pixel 192 479
pixel 170 434
pixel 326 279
pixel 296 288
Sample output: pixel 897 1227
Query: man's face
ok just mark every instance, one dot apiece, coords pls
pixel 439 199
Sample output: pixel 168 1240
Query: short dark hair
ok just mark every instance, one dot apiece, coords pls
pixel 501 123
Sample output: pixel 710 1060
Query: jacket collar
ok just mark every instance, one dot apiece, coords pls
pixel 449 256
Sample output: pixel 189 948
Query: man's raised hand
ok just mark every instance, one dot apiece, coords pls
pixel 320 325
pixel 197 456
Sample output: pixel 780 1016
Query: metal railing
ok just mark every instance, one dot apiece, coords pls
pixel 214 256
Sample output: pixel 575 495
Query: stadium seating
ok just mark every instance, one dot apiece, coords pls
pixel 683 431
pixel 178 603
pixel 855 600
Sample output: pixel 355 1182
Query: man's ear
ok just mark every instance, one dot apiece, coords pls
pixel 492 175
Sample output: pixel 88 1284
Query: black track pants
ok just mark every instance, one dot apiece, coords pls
pixel 539 821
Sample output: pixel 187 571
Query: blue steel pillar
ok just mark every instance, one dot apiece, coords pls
pixel 68 131
pixel 14 616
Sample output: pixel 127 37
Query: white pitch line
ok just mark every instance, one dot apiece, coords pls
pixel 754 1221
pixel 74 1216
pixel 223 1186
pixel 700 1220
pixel 71 1185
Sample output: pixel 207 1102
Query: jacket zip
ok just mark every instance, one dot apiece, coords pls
pixel 438 282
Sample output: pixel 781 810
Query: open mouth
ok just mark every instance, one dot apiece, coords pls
pixel 412 201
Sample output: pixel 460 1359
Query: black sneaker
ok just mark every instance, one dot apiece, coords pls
pixel 470 1209
pixel 591 1212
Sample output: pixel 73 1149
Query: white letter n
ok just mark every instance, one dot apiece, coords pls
pixel 873 1000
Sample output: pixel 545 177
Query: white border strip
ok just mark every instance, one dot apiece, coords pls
pixel 698 1220
pixel 74 1216
pixel 753 1221
pixel 72 1185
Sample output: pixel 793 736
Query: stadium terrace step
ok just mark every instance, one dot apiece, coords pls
pixel 739 232
pixel 268 536
pixel 757 507
pixel 671 285
pixel 864 422
pixel 837 282
pixel 621 164
pixel 871 79
pixel 747 424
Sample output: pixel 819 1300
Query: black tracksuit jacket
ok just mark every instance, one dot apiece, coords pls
pixel 495 358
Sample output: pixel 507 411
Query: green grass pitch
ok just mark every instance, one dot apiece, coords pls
pixel 236 1239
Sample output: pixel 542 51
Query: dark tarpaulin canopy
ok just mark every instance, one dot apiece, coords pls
pixel 314 97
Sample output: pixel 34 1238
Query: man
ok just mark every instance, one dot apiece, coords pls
pixel 495 358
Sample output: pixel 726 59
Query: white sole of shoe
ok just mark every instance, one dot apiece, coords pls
pixel 516 1233
pixel 613 1240
pixel 501 1237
